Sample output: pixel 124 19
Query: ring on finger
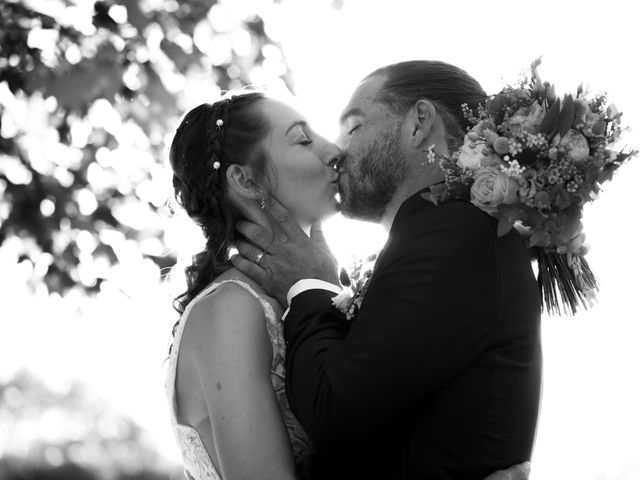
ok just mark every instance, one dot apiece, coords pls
pixel 259 257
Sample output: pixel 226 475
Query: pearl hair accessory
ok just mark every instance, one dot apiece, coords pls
pixel 219 123
pixel 216 165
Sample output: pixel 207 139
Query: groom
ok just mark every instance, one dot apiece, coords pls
pixel 438 376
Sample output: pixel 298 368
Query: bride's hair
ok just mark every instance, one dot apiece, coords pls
pixel 210 138
pixel 446 86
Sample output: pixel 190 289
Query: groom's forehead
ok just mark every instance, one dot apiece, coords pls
pixel 364 95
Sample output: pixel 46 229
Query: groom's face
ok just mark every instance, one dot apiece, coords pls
pixel 373 166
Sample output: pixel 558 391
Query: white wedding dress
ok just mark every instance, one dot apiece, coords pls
pixel 194 455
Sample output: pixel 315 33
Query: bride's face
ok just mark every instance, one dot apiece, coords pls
pixel 304 179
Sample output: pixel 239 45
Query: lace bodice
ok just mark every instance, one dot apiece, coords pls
pixel 194 455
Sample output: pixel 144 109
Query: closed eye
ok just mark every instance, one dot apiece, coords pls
pixel 353 129
pixel 305 140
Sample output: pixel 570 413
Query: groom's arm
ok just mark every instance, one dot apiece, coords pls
pixel 424 319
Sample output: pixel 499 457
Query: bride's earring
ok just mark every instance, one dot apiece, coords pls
pixel 262 199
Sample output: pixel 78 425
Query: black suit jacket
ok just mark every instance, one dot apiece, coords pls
pixel 438 377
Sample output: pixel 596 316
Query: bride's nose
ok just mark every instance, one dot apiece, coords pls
pixel 331 155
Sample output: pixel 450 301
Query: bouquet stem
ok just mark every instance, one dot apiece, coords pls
pixel 565 281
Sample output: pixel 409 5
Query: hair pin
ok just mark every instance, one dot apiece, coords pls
pixel 219 123
pixel 216 165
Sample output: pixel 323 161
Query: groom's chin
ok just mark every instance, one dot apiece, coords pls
pixel 355 212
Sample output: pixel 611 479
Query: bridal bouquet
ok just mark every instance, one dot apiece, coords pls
pixel 533 160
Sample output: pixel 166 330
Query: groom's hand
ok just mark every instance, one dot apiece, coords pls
pixel 288 255
pixel 517 472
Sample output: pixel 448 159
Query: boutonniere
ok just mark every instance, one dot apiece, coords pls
pixel 355 286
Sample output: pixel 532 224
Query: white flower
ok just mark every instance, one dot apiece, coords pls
pixel 341 301
pixel 575 145
pixel 527 118
pixel 475 154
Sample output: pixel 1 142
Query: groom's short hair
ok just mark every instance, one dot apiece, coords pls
pixel 446 86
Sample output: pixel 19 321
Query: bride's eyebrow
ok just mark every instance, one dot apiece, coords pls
pixel 299 123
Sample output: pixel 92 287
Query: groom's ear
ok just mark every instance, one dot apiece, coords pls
pixel 241 181
pixel 422 118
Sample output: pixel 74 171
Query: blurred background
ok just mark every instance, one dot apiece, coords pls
pixel 90 94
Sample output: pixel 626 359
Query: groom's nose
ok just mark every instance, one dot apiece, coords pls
pixel 341 141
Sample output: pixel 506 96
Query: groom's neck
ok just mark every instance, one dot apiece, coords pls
pixel 402 194
pixel 410 187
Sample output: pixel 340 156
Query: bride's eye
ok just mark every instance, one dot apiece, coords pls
pixel 304 139
pixel 353 129
pixel 299 135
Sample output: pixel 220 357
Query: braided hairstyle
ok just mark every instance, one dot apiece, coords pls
pixel 445 85
pixel 210 138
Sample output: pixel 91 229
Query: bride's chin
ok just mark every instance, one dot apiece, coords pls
pixel 327 211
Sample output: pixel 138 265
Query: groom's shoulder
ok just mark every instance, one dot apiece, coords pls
pixel 453 215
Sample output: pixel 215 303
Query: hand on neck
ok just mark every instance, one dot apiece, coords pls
pixel 251 210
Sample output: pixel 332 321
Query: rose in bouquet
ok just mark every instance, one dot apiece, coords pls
pixel 533 160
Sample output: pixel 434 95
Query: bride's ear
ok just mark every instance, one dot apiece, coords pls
pixel 422 120
pixel 242 182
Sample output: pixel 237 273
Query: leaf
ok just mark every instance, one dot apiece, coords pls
pixel 496 104
pixel 550 120
pixel 566 116
pixel 504 226
pixel 606 175
pixel 561 198
pixel 539 238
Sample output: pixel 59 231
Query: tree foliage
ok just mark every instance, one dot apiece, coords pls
pixel 88 101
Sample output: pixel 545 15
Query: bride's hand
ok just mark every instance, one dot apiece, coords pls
pixel 516 472
pixel 277 259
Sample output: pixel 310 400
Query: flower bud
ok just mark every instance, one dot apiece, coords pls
pixel 599 128
pixel 501 145
pixel 580 109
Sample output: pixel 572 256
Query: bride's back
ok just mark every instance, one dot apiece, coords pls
pixel 228 329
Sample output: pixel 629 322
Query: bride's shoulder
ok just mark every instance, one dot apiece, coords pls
pixel 238 279
pixel 228 315
pixel 230 298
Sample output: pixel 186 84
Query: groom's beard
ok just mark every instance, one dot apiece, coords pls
pixel 369 185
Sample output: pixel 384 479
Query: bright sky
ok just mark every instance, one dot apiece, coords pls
pixel 590 424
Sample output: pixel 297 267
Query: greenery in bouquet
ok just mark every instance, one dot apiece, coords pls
pixel 533 160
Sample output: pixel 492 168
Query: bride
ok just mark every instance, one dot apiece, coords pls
pixel 225 375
